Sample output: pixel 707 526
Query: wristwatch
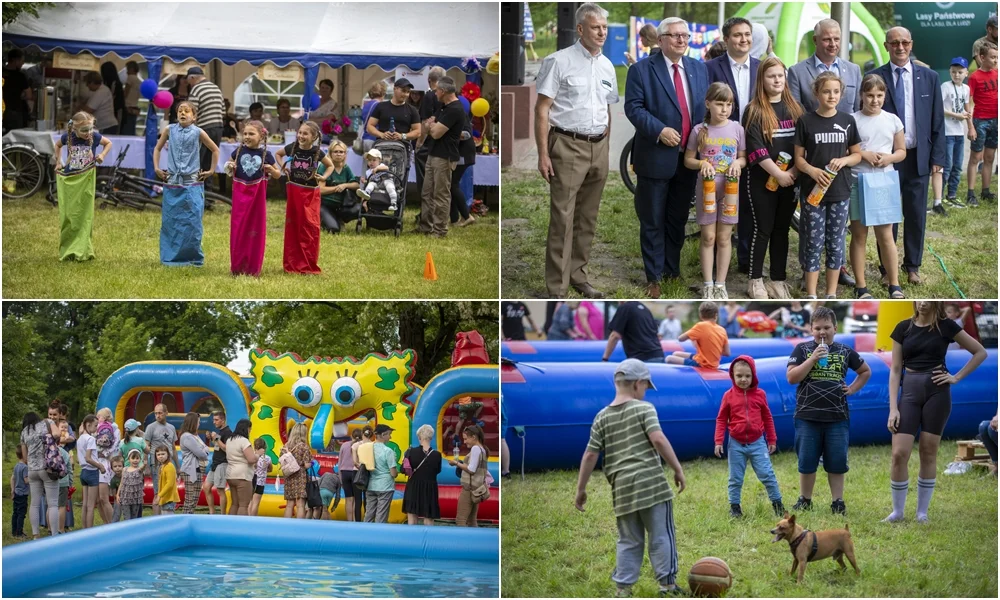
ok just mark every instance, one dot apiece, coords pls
pixel 404 137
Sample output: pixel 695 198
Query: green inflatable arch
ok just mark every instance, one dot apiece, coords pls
pixel 790 21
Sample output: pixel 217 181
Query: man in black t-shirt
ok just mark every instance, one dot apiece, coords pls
pixel 444 132
pixel 217 476
pixel 429 106
pixel 396 118
pixel 514 314
pixel 635 326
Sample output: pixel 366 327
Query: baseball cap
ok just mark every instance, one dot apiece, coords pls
pixel 403 82
pixel 195 71
pixel 380 429
pixel 131 425
pixel 633 369
pixel 958 60
pixel 375 153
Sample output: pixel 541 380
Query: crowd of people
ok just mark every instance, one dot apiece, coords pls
pixel 629 435
pixel 113 466
pixel 751 139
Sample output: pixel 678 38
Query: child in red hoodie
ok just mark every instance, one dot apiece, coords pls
pixel 744 412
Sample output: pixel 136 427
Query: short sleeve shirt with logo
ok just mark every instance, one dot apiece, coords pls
pixel 513 319
pixel 820 396
pixel 824 139
pixel 983 86
pixel 631 462
pixel 581 86
pixel 250 164
pixel 302 164
pixel 81 152
pixel 955 98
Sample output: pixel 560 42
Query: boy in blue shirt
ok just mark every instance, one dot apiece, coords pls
pixel 19 491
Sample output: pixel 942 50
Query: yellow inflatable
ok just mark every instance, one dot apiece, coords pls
pixel 890 313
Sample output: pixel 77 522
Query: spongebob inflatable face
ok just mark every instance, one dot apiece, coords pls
pixel 329 392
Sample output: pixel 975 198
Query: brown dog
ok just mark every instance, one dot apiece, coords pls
pixel 808 546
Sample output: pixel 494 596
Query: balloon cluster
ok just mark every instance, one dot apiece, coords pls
pixel 161 99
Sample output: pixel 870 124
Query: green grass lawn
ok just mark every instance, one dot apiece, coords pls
pixel 373 264
pixel 966 240
pixel 552 550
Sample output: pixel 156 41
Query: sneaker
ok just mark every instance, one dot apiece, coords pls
pixel 466 222
pixel 779 508
pixel 938 209
pixel 803 504
pixel 720 292
pixel 707 292
pixel 624 592
pixel 392 206
pixel 988 196
pixel 780 291
pixel 735 511
pixel 671 590
pixel 954 202
pixel 363 194
pixel 756 289
pixel 838 507
pixel 971 200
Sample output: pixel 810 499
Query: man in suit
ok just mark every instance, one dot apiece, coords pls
pixel 738 70
pixel 826 37
pixel 664 99
pixel 914 96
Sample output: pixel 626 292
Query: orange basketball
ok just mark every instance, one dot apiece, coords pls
pixel 710 576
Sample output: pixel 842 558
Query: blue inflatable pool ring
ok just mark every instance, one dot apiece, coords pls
pixel 554 404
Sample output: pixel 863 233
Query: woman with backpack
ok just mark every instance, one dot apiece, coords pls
pixel 422 465
pixel 475 476
pixel 294 459
pixel 39 446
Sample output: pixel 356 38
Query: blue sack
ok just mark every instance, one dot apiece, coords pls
pixel 879 199
pixel 181 228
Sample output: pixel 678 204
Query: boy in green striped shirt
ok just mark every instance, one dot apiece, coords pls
pixel 628 432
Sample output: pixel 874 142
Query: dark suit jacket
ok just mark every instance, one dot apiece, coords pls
pixel 929 118
pixel 720 70
pixel 651 104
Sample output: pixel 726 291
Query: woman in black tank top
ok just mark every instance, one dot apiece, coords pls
pixel 919 350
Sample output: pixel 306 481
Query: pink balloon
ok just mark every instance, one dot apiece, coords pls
pixel 163 100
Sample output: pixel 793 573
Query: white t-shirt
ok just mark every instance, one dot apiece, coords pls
pixel 876 136
pixel 955 98
pixel 102 106
pixel 670 329
pixel 83 443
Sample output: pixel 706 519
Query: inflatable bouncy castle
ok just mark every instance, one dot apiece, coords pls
pixel 332 396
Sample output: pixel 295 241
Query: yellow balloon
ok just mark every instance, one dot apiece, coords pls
pixel 480 107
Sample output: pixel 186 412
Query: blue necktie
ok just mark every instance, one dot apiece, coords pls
pixel 900 96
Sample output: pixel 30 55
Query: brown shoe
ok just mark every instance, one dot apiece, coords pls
pixel 587 291
pixel 913 277
pixel 653 290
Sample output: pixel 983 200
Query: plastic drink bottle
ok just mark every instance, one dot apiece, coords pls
pixel 708 194
pixel 392 124
pixel 817 193
pixel 822 344
pixel 732 198
pixel 784 160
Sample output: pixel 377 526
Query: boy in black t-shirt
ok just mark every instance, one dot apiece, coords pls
pixel 512 324
pixel 822 422
pixel 635 326
pixel 825 139
pixel 445 131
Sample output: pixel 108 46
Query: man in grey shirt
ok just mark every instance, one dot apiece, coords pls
pixel 211 108
pixel 159 433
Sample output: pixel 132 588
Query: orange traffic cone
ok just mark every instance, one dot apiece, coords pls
pixel 429 271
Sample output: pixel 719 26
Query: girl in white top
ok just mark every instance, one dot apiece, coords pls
pixel 882 145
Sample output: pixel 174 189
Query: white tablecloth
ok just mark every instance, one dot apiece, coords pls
pixel 486 171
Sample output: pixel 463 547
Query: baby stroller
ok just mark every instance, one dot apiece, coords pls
pixel 396 156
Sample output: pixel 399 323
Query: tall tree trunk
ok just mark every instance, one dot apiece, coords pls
pixel 411 334
pixel 670 9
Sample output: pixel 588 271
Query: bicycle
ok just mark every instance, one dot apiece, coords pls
pixel 121 187
pixel 25 170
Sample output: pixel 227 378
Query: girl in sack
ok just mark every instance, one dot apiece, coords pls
pixel 76 186
pixel 882 145
pixel 476 477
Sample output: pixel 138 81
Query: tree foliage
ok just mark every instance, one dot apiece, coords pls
pixel 13 10
pixel 25 372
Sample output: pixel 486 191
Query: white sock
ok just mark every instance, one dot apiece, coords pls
pixel 925 489
pixel 937 202
pixel 899 491
pixel 707 283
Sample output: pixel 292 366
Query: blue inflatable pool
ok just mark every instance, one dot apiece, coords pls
pixel 210 556
pixel 554 404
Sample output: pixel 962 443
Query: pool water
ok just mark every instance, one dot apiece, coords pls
pixel 198 572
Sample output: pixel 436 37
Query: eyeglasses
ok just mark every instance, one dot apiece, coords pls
pixel 681 37
pixel 84 130
pixel 900 43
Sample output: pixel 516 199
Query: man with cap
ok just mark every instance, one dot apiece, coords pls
pixel 991 36
pixel 381 482
pixel 628 432
pixel 635 326
pixel 210 109
pixel 395 118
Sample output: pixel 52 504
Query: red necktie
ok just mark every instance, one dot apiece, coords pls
pixel 682 100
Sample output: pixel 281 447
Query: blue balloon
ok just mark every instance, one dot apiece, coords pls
pixel 312 102
pixel 148 88
pixel 465 103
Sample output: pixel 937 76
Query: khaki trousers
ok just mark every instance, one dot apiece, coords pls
pixel 435 203
pixel 466 512
pixel 580 170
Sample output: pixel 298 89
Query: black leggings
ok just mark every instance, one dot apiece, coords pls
pixel 333 219
pixel 459 204
pixel 771 214
pixel 924 404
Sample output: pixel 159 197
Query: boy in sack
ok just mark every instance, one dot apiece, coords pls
pixel 745 414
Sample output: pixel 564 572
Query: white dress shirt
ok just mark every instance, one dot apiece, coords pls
pixel 684 82
pixel 909 122
pixel 741 75
pixel 581 86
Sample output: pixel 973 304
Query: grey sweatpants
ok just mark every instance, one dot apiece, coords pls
pixel 377 506
pixel 658 522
